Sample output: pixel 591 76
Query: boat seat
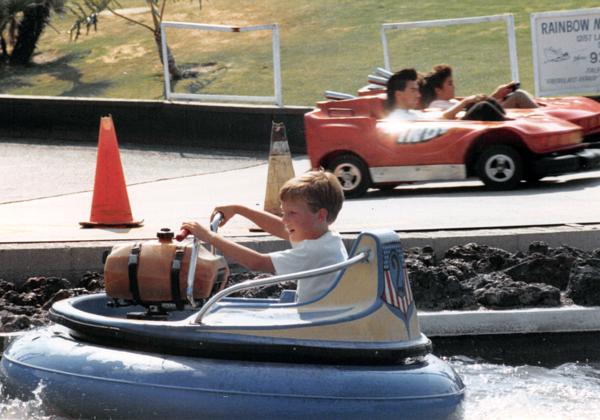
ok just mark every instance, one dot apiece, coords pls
pixel 358 292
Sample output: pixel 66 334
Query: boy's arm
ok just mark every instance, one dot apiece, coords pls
pixel 266 221
pixel 247 257
pixel 451 112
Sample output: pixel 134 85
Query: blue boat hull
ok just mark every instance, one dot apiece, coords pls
pixel 88 380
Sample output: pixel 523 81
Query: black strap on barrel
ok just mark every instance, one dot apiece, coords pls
pixel 175 270
pixel 132 268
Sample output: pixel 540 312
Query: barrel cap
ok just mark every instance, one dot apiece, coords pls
pixel 165 233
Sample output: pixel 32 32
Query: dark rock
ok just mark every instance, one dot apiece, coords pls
pixel 14 323
pixel 538 247
pixel 584 283
pixel 438 287
pixel 539 294
pixel 458 268
pixel 60 295
pixel 5 286
pixel 5 316
pixel 17 309
pixel 92 281
pixel 47 285
pixel 28 304
pixel 484 259
pixel 472 252
pixel 498 290
pixel 28 299
pixel 538 268
pixel 568 251
pixel 426 255
pixel 12 296
pixel 468 252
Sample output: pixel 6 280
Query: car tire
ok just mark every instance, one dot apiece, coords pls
pixel 500 167
pixel 352 173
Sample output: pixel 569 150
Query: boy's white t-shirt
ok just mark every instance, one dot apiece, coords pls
pixel 400 114
pixel 443 104
pixel 306 255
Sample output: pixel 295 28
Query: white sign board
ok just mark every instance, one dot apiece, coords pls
pixel 566 52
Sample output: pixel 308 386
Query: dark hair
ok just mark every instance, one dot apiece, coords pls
pixel 398 82
pixel 438 75
pixel 432 80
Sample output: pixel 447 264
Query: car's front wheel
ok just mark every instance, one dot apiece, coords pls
pixel 352 173
pixel 500 167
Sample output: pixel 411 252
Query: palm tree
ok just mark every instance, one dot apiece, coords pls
pixel 21 25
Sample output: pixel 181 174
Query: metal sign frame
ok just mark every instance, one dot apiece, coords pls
pixel 276 99
pixel 507 18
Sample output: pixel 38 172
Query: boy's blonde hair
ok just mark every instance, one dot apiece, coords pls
pixel 320 190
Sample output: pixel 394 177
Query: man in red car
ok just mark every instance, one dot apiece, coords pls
pixel 403 95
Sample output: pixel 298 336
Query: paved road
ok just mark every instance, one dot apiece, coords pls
pixel 41 198
pixel 32 171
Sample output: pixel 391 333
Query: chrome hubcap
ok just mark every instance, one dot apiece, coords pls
pixel 500 168
pixel 348 175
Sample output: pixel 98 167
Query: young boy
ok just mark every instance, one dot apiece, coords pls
pixel 309 203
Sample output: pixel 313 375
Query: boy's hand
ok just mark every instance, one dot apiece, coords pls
pixel 502 91
pixel 197 230
pixel 227 211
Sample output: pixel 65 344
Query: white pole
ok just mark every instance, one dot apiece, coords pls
pixel 165 59
pixel 534 54
pixel 386 54
pixel 512 47
pixel 277 66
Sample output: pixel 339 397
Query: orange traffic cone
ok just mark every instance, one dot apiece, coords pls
pixel 280 168
pixel 110 203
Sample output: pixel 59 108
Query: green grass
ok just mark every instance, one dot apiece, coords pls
pixel 325 44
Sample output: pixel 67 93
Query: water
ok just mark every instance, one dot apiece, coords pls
pixel 569 391
pixel 17 409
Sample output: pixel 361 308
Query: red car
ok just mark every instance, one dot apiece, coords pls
pixel 353 139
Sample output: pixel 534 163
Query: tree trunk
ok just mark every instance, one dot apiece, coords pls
pixel 4 54
pixel 29 31
pixel 174 71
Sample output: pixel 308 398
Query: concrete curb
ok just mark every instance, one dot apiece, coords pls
pixel 568 319
pixel 72 259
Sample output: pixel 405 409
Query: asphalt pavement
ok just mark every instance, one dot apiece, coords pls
pixel 46 190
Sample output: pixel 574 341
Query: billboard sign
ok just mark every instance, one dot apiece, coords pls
pixel 566 52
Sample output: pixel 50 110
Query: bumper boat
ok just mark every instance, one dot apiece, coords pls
pixel 355 352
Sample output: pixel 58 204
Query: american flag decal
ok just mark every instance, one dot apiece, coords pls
pixel 396 290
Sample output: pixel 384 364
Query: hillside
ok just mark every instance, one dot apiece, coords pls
pixel 325 44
